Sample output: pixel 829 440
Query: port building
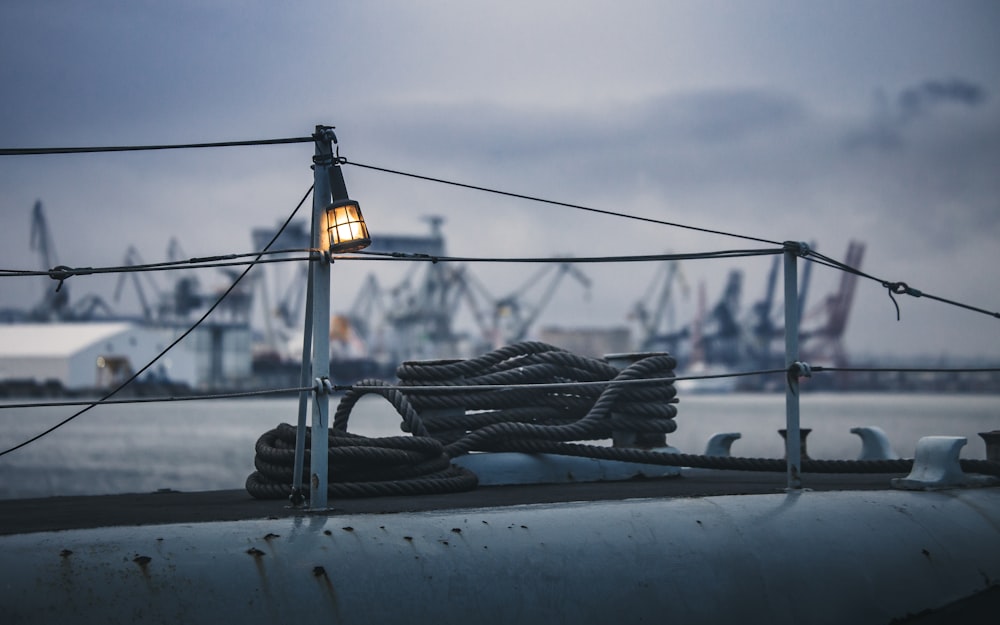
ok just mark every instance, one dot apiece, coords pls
pixel 82 355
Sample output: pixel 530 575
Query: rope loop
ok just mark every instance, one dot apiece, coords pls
pixel 900 288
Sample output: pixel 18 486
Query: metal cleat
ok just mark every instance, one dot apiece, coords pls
pixel 720 443
pixel 874 443
pixel 936 466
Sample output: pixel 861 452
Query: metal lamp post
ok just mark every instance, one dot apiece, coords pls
pixel 337 227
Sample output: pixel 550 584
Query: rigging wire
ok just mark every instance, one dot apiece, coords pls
pixel 163 352
pixel 894 288
pixel 168 399
pixel 144 148
pixel 363 385
pixel 227 260
pixel 533 198
pixel 365 255
pixel 62 272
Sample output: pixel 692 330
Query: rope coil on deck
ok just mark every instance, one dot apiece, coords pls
pixel 358 466
pixel 446 425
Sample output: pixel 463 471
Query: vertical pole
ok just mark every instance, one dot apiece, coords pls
pixel 793 451
pixel 320 274
pixel 304 379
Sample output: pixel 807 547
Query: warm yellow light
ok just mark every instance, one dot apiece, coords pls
pixel 346 227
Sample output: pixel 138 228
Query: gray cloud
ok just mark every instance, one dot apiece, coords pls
pixel 893 117
pixel 918 100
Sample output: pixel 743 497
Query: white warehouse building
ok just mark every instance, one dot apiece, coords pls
pixel 101 354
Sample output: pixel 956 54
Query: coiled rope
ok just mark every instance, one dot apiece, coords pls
pixel 528 397
pixel 507 414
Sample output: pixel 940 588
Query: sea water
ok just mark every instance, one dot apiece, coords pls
pixel 209 445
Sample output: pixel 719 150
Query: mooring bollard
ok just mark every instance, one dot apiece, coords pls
pixel 641 440
pixel 803 433
pixel 992 445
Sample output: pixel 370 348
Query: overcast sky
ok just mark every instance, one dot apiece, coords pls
pixel 821 122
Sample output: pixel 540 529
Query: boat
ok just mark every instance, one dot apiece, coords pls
pixel 520 529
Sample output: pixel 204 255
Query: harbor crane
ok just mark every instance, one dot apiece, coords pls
pixel 722 334
pixel 55 302
pixel 132 258
pixel 823 343
pixel 513 315
pixel 657 324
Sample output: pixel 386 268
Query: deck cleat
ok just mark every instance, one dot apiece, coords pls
pixel 936 466
pixel 720 443
pixel 874 443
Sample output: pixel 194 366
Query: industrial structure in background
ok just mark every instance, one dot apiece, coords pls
pixel 254 337
pixel 64 344
pixel 724 338
pixel 415 319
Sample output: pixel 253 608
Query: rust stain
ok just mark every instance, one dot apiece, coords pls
pixel 271 536
pixel 143 562
pixel 259 563
pixel 321 576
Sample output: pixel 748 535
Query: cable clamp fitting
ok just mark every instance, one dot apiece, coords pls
pixel 325 133
pixel 801 369
pixel 799 248
pixel 320 256
pixel 322 386
pixel 62 272
pixel 798 370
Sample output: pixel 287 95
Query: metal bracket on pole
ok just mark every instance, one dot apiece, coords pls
pixel 793 444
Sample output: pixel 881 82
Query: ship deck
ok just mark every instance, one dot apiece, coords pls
pixel 21 516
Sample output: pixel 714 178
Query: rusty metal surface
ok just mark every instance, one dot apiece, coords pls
pixel 817 557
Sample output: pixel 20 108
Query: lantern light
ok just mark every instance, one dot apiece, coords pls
pixel 346 227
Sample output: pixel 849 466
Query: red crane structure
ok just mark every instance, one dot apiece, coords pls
pixel 823 345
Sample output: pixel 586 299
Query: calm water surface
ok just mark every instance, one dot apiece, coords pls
pixel 208 445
